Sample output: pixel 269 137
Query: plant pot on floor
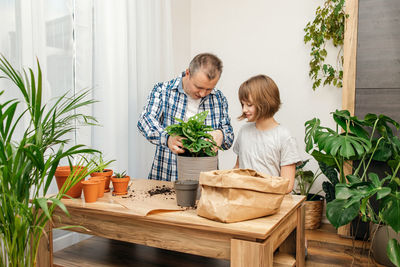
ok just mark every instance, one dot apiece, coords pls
pixel 380 242
pixel 61 174
pixel 189 168
pixel 186 192
pixel 314 206
pixel 107 173
pixel 91 190
pixel 120 185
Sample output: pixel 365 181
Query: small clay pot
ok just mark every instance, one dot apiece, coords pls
pixel 90 190
pixel 107 173
pixel 186 192
pixel 101 185
pixel 61 174
pixel 120 185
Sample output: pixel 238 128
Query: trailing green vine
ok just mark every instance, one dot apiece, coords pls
pixel 328 25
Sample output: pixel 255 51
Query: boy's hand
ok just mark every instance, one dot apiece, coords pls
pixel 175 144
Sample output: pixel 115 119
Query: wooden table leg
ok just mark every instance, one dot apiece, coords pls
pixel 247 253
pixel 45 249
pixel 300 239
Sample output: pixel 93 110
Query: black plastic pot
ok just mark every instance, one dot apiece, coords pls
pixel 359 229
pixel 186 192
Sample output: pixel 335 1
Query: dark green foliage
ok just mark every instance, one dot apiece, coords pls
pixel 328 25
pixel 306 179
pixel 349 195
pixel 197 141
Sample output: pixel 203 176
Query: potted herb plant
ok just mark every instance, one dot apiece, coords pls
pixel 200 147
pixel 363 141
pixel 120 183
pixel 29 159
pixel 314 203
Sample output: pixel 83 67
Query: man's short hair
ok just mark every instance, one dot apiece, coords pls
pixel 264 94
pixel 209 63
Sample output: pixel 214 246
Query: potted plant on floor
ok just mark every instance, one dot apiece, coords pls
pixel 363 141
pixel 29 159
pixel 200 147
pixel 314 203
pixel 120 183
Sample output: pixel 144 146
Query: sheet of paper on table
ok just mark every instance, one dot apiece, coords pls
pixel 139 200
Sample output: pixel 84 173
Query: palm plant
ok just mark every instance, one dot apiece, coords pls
pixel 27 165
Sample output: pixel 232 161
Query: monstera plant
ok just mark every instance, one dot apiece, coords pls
pixel 363 142
pixel 33 140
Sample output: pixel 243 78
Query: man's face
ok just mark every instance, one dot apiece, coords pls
pixel 198 85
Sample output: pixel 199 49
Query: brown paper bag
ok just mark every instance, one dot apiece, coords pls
pixel 239 194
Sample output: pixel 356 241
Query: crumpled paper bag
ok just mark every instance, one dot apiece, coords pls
pixel 239 194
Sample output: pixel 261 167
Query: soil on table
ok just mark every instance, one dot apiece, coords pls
pixel 164 190
pixel 161 192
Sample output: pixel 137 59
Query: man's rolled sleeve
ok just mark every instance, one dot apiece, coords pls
pixel 225 126
pixel 149 121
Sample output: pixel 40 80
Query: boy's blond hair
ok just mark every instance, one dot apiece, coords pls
pixel 264 95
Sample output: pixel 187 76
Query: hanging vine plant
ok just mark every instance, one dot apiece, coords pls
pixel 328 26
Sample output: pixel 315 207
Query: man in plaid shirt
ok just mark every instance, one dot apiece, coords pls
pixel 190 93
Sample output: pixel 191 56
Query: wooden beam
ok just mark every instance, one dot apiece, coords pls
pixel 350 56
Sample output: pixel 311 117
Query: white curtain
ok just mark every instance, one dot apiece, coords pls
pixel 132 50
pixel 39 30
pixel 120 49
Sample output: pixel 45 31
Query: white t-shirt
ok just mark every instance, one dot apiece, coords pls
pixel 192 107
pixel 265 151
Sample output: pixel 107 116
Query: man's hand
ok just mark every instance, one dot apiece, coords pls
pixel 175 144
pixel 218 137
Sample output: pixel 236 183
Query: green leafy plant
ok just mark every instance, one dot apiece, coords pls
pixel 328 25
pixel 362 141
pixel 100 163
pixel 120 174
pixel 305 180
pixel 33 135
pixel 197 142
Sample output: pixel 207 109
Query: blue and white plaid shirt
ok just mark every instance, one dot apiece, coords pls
pixel 168 101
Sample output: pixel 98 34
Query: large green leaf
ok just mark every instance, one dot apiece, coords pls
pixel 390 210
pixel 338 214
pixel 321 157
pixel 329 171
pixel 393 251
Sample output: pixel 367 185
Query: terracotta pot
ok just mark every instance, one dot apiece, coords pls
pixel 90 190
pixel 101 185
pixel 189 168
pixel 61 174
pixel 107 173
pixel 120 185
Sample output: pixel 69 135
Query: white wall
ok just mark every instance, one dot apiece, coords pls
pixel 180 14
pixel 263 37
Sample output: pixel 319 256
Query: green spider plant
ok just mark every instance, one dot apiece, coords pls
pixel 27 165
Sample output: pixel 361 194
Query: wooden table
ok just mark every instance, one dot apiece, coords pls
pixel 247 243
